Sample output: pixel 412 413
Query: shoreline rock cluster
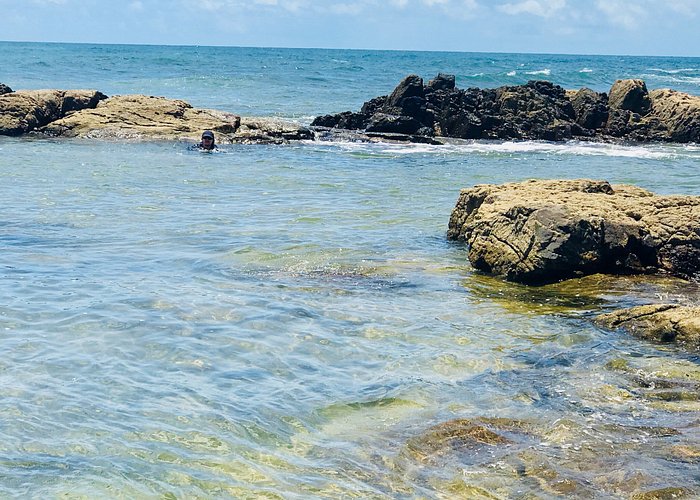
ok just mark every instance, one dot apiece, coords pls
pixel 538 110
pixel 544 231
pixel 92 114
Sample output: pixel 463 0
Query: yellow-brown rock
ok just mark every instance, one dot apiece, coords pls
pixel 27 110
pixel 543 231
pixel 658 322
pixel 144 117
pixel 679 112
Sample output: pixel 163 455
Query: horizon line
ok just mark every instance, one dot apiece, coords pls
pixel 138 44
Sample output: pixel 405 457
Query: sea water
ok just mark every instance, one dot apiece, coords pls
pixel 291 322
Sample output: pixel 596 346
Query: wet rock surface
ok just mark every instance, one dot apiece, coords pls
pixel 658 322
pixel 543 231
pixel 538 110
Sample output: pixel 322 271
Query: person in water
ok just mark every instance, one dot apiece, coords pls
pixel 207 143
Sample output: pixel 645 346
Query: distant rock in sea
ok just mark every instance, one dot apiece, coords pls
pixel 415 112
pixel 89 113
pixel 538 110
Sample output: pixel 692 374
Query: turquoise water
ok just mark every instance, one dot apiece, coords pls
pixel 290 321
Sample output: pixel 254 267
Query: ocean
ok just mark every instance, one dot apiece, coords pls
pixel 290 321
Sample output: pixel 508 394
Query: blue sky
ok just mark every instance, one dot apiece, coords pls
pixel 626 27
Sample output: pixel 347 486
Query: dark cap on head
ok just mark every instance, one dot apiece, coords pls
pixel 208 133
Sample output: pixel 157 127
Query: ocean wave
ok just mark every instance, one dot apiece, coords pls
pixel 692 80
pixel 585 70
pixel 675 71
pixel 545 72
pixel 573 148
pixel 511 73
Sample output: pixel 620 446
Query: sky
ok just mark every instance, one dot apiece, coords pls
pixel 623 27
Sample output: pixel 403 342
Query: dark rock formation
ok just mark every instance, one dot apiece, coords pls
pixel 591 109
pixel 660 323
pixel 544 231
pixel 4 89
pixel 538 110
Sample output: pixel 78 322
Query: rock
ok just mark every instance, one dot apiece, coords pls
pixel 679 112
pixel 269 130
pixel 137 117
pixel 542 231
pixel 4 89
pixel 442 82
pixel 591 108
pixel 539 110
pixel 631 95
pixel 345 121
pixel 395 124
pixel 659 322
pixel 664 494
pixel 409 88
pixel 453 435
pixel 26 110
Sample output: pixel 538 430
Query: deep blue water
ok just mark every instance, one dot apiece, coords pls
pixel 288 321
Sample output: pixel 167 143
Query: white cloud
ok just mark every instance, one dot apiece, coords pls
pixel 346 8
pixel 541 8
pixel 686 7
pixel 622 12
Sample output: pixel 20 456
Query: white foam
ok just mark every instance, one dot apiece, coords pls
pixel 693 80
pixel 675 71
pixel 545 72
pixel 586 70
pixel 574 148
pixel 511 73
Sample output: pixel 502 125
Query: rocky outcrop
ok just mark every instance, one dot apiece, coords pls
pixel 24 111
pixel 679 112
pixel 542 231
pixel 538 110
pixel 138 116
pixel 4 89
pixel 659 322
pixel 91 114
pixel 148 117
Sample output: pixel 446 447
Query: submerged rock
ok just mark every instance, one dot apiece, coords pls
pixel 459 434
pixel 659 322
pixel 664 494
pixel 538 110
pixel 542 231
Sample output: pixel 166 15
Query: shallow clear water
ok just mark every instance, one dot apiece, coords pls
pixel 290 322
pixel 284 320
